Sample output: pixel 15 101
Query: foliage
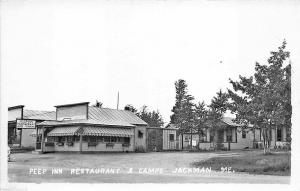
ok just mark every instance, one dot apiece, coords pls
pixel 153 118
pixel 131 108
pixel 264 99
pixel 98 104
pixel 183 111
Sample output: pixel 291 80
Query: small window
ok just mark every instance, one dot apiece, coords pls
pixel 107 139
pixel 113 139
pixel 140 134
pixel 77 138
pixel 50 139
pixel 84 138
pixel 61 139
pixel 93 139
pixel 70 139
pixel 186 138
pixel 126 140
pixel 243 134
pixel 229 138
pixel 100 139
pixel 171 137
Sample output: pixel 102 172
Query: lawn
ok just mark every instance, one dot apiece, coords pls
pixel 19 169
pixel 276 163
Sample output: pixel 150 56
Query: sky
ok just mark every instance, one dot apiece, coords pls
pixel 61 52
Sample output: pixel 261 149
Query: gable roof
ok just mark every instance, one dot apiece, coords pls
pixel 39 115
pixel 103 116
pixel 114 115
pixel 227 120
pixel 86 122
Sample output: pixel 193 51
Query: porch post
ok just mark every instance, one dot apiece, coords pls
pixel 42 142
pixel 80 143
pixel 36 138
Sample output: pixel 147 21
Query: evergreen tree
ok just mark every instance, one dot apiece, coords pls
pixel 201 118
pixel 153 118
pixel 183 112
pixel 217 108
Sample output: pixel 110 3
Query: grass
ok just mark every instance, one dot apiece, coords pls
pixel 253 163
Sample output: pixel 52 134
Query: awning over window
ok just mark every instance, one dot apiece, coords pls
pixel 102 131
pixel 64 131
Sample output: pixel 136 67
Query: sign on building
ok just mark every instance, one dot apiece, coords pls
pixel 25 124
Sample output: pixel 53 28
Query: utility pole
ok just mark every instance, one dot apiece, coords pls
pixel 118 101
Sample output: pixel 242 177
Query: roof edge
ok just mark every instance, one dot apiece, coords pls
pixel 72 104
pixel 16 107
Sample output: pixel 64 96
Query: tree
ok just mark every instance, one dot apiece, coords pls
pixel 201 118
pixel 98 104
pixel 153 118
pixel 181 93
pixel 131 108
pixel 217 108
pixel 264 99
pixel 183 111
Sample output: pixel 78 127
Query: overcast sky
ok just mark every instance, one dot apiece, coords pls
pixel 60 52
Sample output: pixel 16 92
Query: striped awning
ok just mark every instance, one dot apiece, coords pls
pixel 113 132
pixel 64 131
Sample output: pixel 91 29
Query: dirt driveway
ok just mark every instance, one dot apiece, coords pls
pixel 159 167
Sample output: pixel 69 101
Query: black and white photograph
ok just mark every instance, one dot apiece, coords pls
pixel 153 93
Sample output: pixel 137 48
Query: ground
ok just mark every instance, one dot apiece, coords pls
pixel 154 167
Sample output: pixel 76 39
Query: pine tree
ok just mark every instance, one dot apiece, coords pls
pixel 217 108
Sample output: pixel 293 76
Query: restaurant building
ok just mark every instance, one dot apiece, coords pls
pixel 21 123
pixel 82 128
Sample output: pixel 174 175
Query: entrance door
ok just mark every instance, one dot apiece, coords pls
pixel 38 142
pixel 220 136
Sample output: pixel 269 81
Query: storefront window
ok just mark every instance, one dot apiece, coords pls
pixel 50 139
pixel 92 139
pixel 100 139
pixel 77 138
pixel 61 139
pixel 106 139
pixel 70 139
pixel 126 139
pixel 113 139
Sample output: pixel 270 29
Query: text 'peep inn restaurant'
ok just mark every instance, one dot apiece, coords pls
pixel 77 127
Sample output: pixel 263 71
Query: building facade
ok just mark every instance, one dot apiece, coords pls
pixel 82 128
pixel 230 136
pixel 21 123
